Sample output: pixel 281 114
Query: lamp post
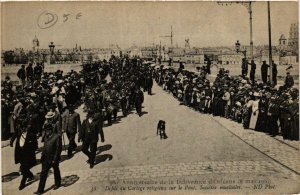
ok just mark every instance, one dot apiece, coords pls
pixel 248 5
pixel 270 44
pixel 238 49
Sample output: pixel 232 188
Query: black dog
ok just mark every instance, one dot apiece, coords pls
pixel 161 126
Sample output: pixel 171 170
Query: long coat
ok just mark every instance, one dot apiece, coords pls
pixel 289 81
pixel 261 124
pixel 71 122
pixel 25 154
pixel 273 113
pixel 52 149
pixel 293 120
pixel 90 131
pixel 139 98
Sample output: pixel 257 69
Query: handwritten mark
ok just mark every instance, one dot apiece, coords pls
pixel 66 17
pixel 78 16
pixel 46 20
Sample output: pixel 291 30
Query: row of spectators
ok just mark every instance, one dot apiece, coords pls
pixel 258 106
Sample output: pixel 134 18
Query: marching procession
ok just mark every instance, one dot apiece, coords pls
pixel 44 106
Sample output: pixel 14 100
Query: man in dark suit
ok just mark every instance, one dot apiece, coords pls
pixel 29 73
pixel 289 81
pixel 264 71
pixel 91 127
pixel 274 73
pixel 244 67
pixel 71 124
pixel 50 154
pixel 22 75
pixel 38 71
pixel 149 83
pixel 272 117
pixel 252 71
pixel 208 65
pixel 138 101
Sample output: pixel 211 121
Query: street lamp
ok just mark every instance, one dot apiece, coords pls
pixel 248 5
pixel 238 49
pixel 270 44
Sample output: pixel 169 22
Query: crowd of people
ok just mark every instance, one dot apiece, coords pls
pixel 258 106
pixel 44 104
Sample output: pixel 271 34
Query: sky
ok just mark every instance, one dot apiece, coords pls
pixel 142 23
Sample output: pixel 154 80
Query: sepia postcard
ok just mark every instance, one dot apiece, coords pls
pixel 150 97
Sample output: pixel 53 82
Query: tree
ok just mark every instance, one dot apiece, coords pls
pixel 23 58
pixel 8 57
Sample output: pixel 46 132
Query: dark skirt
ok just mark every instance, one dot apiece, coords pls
pixel 261 124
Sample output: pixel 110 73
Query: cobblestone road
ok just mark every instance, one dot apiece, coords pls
pixel 199 147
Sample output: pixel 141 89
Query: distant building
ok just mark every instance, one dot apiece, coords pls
pixel 35 44
pixel 149 53
pixel 103 54
pixel 213 53
pixel 194 57
pixel 288 59
pixel 293 38
pixel 165 56
pixel 282 43
pixel 133 51
pixel 177 54
pixel 265 57
pixel 115 50
pixel 230 58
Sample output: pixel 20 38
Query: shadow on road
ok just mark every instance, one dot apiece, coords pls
pixel 65 156
pixel 65 182
pixel 103 148
pixel 144 112
pixel 103 158
pixel 9 177
pixel 69 180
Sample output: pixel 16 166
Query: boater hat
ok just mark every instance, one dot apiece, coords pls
pixel 50 115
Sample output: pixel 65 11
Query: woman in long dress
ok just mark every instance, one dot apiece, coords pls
pixel 255 111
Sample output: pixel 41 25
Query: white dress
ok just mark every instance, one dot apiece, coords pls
pixel 254 114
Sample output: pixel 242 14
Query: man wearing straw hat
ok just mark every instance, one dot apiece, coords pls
pixel 50 154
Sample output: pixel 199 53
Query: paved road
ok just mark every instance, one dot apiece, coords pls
pixel 200 148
